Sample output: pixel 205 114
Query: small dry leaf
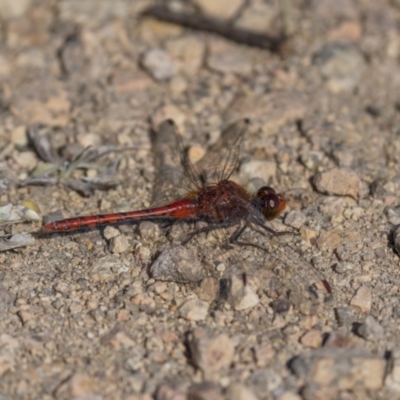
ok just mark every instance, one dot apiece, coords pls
pixel 86 188
pixel 44 169
pixel 31 205
pixel 12 214
pixel 42 146
pixel 39 182
pixel 9 242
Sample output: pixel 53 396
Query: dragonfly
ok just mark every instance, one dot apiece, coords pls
pixel 211 197
pixel 188 192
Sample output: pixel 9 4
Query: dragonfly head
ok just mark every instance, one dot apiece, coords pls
pixel 272 203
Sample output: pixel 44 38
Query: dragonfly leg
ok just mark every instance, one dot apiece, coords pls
pixel 274 232
pixel 206 229
pixel 234 239
pixel 235 236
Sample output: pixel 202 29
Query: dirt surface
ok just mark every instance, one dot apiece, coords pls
pixel 126 312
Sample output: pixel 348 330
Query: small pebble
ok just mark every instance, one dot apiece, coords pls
pixel 119 244
pixel 346 253
pixel 107 268
pixel 393 215
pixel 280 306
pixel 207 289
pixel 271 111
pixel 81 385
pixel 237 391
pixel 289 396
pixel 295 219
pixel 210 353
pixel 89 139
pixel 345 316
pixel 159 287
pixel 177 85
pixel 265 170
pixel 196 153
pixel 25 315
pixel 265 381
pixel 171 391
pixel 341 65
pixel 312 338
pixel 342 267
pixel 194 310
pixel 228 59
pixel 149 230
pixel 189 51
pixel 370 329
pixel 14 9
pixel 62 287
pixel 222 9
pixel 264 353
pixel 362 299
pixel 160 64
pixel 308 234
pixel 340 182
pixel 177 264
pixel 240 296
pixel 312 159
pixel 337 237
pixel 26 159
pixel 110 232
pixel 257 17
pixel 169 111
pixel 350 31
pixel 333 206
pixel 206 390
pixel 342 339
pixel 18 136
pixel 341 369
pixel 154 343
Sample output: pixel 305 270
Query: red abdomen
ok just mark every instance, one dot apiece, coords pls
pixel 185 209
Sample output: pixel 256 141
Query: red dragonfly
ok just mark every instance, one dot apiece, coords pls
pixel 206 193
pixel 211 197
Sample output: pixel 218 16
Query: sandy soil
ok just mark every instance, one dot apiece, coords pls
pixel 126 312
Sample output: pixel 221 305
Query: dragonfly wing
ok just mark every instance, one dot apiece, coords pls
pixel 171 182
pixel 175 174
pixel 300 279
pixel 222 157
pixel 300 275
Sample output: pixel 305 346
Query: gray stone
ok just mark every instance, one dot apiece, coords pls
pixel 264 381
pixel 194 310
pixel 160 64
pixel 370 329
pixel 107 268
pixel 210 353
pixel 362 299
pixel 343 369
pixel 205 390
pixel 341 65
pixel 177 264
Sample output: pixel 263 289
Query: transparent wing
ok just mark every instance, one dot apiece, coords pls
pixel 171 182
pixel 176 176
pixel 221 158
pixel 299 278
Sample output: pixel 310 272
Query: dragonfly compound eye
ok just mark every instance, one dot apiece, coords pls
pixel 272 203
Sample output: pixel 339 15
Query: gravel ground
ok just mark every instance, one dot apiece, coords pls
pixel 126 312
